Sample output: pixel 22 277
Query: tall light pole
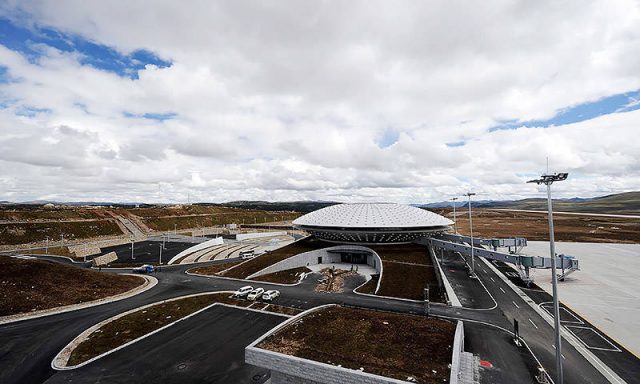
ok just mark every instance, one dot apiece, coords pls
pixel 548 180
pixel 160 254
pixel 46 246
pixel 132 258
pixel 473 260
pixel 455 223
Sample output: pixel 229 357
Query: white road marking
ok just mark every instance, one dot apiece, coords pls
pixel 502 290
pixel 514 303
pixel 534 324
pixel 554 347
pixel 492 279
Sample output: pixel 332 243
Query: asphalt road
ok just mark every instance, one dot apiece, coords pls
pixel 147 251
pixel 535 331
pixel 29 346
pixel 210 350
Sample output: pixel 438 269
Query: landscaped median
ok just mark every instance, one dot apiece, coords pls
pixel 353 345
pixel 129 327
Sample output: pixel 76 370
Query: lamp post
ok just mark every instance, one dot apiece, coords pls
pixel 473 260
pixel 161 255
pixel 548 180
pixel 46 246
pixel 455 223
pixel 132 257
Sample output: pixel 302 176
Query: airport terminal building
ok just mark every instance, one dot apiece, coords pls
pixel 372 223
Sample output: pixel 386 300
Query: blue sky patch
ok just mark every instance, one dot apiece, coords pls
pixel 456 144
pixel 152 116
pixel 28 111
pixel 623 102
pixel 389 137
pixel 28 42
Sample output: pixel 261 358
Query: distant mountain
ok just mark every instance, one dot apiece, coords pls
pixel 297 206
pixel 621 203
pixel 458 203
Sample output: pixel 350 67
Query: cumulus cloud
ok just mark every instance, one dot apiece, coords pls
pixel 289 100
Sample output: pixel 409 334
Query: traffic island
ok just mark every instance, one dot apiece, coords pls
pixel 29 286
pixel 335 344
pixel 131 326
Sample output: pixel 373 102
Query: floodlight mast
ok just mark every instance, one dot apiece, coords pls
pixel 548 180
pixel 473 260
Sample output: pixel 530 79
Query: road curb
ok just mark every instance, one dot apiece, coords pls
pixel 149 283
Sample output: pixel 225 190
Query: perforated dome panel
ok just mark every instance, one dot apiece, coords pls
pixel 371 223
pixel 368 215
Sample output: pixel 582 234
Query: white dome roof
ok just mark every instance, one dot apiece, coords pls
pixel 372 215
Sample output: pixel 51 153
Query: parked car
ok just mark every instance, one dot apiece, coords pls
pixel 244 291
pixel 146 268
pixel 246 255
pixel 270 295
pixel 256 293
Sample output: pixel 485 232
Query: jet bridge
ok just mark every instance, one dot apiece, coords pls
pixel 517 243
pixel 456 243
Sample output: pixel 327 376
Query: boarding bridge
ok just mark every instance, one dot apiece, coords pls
pixel 456 243
pixel 517 243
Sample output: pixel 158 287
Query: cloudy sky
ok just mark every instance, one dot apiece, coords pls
pixel 406 101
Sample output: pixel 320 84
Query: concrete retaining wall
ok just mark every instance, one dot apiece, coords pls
pixel 247 236
pixel 105 259
pixel 458 350
pixel 311 257
pixel 195 248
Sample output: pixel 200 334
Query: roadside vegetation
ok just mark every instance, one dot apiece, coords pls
pixel 213 269
pixel 252 266
pixel 28 285
pixel 144 321
pixel 194 216
pixel 288 276
pixel 55 251
pixel 383 343
pixel 407 271
pixel 370 286
pixel 31 232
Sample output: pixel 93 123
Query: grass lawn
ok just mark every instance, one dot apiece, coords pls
pixel 383 343
pixel 144 321
pixel 31 285
pixel 213 269
pixel 289 276
pixel 407 270
pixel 252 266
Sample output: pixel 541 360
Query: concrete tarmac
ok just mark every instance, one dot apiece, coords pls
pixel 606 290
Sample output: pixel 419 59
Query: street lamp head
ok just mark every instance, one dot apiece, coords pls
pixel 549 179
pixel 454 198
pixel 470 194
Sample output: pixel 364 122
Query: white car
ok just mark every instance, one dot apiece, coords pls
pixel 270 295
pixel 253 295
pixel 244 291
